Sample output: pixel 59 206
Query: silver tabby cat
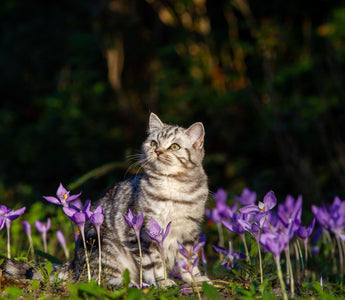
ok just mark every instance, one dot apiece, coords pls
pixel 173 188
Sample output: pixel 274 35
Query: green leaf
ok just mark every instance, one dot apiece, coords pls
pixel 49 268
pixel 35 285
pixel 210 291
pixel 51 258
pixel 13 291
pixel 126 278
pixel 91 288
pixel 135 294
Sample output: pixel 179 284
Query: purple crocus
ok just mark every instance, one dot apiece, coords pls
pixel 7 215
pixel 63 197
pixel 61 238
pixel 186 266
pixel 190 252
pixel 27 230
pixel 332 217
pixel 156 233
pixel 262 209
pixel 275 243
pixel 220 196
pixel 255 229
pixel 247 197
pixel 229 256
pixel 43 228
pixel 236 227
pixel 96 217
pixel 134 221
pixel 304 232
pixel 267 204
pixel 79 215
pixel 290 211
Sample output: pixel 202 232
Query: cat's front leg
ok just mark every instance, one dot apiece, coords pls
pixel 153 270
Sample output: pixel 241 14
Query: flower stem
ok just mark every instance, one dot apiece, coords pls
pixel 141 263
pixel 164 267
pixel 44 237
pixel 31 246
pixel 289 270
pixel 194 287
pixel 280 276
pixel 8 226
pixel 260 261
pixel 86 255
pixel 221 238
pixel 341 259
pixel 245 247
pixel 99 256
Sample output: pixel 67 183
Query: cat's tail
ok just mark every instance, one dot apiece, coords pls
pixel 23 270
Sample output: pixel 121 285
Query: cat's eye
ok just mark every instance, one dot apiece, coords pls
pixel 175 147
pixel 153 143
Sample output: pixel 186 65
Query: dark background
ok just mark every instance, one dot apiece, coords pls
pixel 79 78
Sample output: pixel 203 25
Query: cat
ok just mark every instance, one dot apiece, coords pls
pixel 172 188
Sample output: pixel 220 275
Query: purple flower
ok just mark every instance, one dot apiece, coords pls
pixel 291 210
pixel 220 196
pixel 62 241
pixel 187 266
pixel 63 197
pixel 253 228
pixel 43 229
pixel 190 252
pixel 274 242
pixel 332 217
pixel 262 209
pixel 268 203
pixel 2 222
pixel 96 217
pixel 61 238
pixel 229 256
pixel 78 213
pixel 175 272
pixel 202 238
pixel 213 215
pixel 247 197
pixel 304 232
pixel 134 221
pixel 7 215
pixel 27 228
pixel 235 226
pixel 157 233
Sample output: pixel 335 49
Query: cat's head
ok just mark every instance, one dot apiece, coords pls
pixel 172 150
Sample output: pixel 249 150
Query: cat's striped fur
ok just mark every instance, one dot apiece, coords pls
pixel 173 187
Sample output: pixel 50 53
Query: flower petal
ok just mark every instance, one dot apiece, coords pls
pixel 53 200
pixel 166 231
pixel 270 200
pixel 154 227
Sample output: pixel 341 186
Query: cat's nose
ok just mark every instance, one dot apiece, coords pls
pixel 159 151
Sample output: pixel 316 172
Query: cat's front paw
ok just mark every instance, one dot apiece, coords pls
pixel 169 282
pixel 200 279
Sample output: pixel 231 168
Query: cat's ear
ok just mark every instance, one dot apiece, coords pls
pixel 196 132
pixel 155 123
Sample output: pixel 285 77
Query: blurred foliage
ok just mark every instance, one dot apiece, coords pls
pixel 79 79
